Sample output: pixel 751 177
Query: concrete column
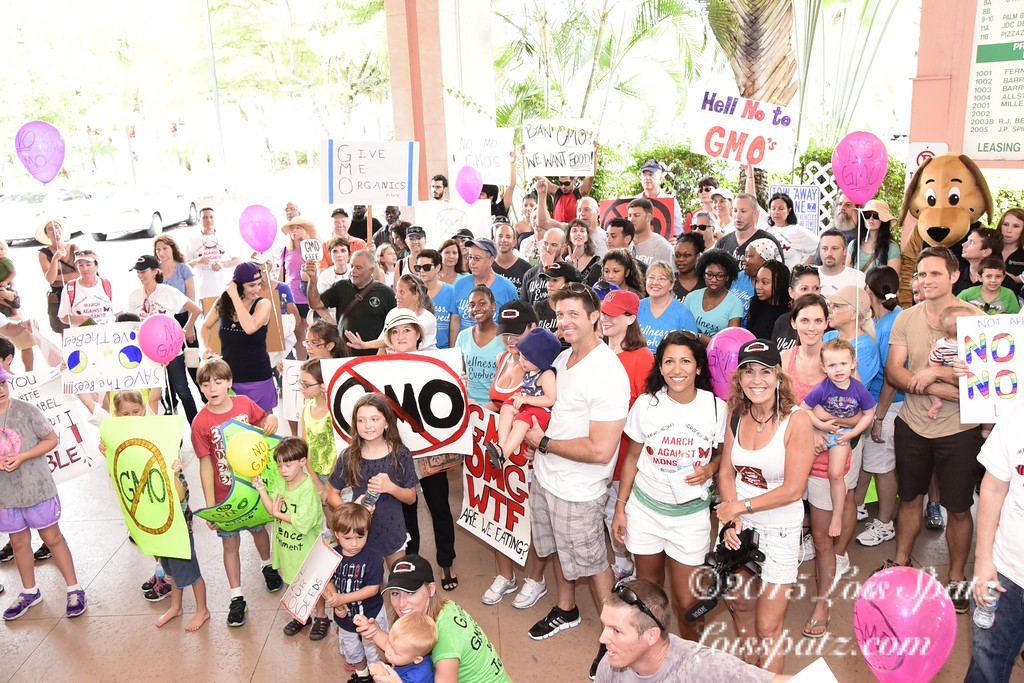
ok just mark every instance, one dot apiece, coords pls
pixel 435 46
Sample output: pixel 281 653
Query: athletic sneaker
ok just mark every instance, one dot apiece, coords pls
pixel 862 513
pixel 148 583
pixel 842 567
pixel 42 554
pixel 876 534
pixel 6 553
pixel 160 589
pixel 236 611
pixel 889 564
pixel 273 579
pixel 933 517
pixel 532 592
pixel 601 651
pixel 806 549
pixel 959 593
pixel 76 604
pixel 556 620
pixel 21 605
pixel 500 587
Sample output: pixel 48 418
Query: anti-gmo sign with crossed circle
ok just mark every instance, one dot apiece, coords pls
pixel 423 389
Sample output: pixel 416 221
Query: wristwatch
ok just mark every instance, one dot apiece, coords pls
pixel 746 504
pixel 542 447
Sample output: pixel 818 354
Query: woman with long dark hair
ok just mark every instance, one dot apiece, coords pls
pixel 1011 226
pixel 771 298
pixel 799 245
pixel 877 245
pixel 176 273
pixel 714 307
pixel 622 270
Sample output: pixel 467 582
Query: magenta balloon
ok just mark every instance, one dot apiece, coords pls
pixel 161 338
pixel 905 625
pixel 40 147
pixel 258 227
pixel 468 183
pixel 723 353
pixel 859 163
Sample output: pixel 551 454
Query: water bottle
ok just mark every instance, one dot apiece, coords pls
pixel 370 500
pixel 984 616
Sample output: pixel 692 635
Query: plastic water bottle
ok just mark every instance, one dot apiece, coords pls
pixel 985 616
pixel 370 500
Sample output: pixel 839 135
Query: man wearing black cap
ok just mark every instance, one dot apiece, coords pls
pixel 360 303
pixel 507 264
pixel 651 175
pixel 461 236
pixel 341 228
pixel 555 277
pixel 482 253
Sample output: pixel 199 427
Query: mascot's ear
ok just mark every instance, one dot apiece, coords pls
pixel 979 180
pixel 908 196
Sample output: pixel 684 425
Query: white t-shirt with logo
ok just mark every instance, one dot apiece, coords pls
pixel 91 302
pixel 328 276
pixel 1003 458
pixel 211 282
pixel 595 389
pixel 849 277
pixel 164 299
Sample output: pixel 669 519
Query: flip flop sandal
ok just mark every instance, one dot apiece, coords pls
pixel 812 625
pixel 320 627
pixel 448 582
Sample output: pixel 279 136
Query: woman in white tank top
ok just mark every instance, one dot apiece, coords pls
pixel 765 462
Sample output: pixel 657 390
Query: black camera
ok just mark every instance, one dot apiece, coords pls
pixel 718 573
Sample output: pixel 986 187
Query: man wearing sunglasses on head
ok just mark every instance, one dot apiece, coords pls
pixel 635 621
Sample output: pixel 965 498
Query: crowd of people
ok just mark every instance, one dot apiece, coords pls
pixel 590 341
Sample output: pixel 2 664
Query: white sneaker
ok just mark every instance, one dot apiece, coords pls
pixel 876 534
pixel 531 593
pixel 842 565
pixel 806 549
pixel 499 589
pixel 862 513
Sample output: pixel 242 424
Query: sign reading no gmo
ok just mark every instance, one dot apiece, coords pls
pixel 424 392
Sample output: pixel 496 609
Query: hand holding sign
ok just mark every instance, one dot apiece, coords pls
pixel 312 251
pixel 247 453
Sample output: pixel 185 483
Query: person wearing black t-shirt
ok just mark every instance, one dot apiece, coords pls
pixel 357 226
pixel 360 303
pixel 507 264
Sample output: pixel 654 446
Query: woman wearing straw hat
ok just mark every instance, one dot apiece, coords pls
pixel 296 230
pixel 876 242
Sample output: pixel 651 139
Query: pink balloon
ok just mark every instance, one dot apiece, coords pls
pixel 859 163
pixel 468 183
pixel 258 227
pixel 40 147
pixel 905 625
pixel 161 338
pixel 723 353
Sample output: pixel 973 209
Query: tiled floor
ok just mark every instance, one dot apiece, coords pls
pixel 116 639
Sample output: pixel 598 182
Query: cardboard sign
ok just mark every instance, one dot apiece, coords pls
pixel 140 452
pixel 556 147
pixel 485 149
pixel 372 172
pixel 742 131
pixel 301 595
pixel 312 251
pixel 989 347
pixel 75 453
pixel 103 358
pixel 495 505
pixel 664 209
pixel 424 389
pixel 291 393
pixel 806 204
pixel 441 220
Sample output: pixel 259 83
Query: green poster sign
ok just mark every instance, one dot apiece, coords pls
pixel 140 468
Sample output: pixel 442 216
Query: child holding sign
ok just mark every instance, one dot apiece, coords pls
pixel 215 473
pixel 317 431
pixel 296 507
pixel 184 573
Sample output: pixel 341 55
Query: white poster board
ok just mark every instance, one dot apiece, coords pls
pixel 291 392
pixel 441 220
pixel 806 204
pixel 741 131
pixel 311 250
pixel 301 595
pixel 372 172
pixel 102 358
pixel 485 149
pixel 558 147
pixel 988 345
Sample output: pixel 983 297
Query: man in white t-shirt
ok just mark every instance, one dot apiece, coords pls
pixel 998 556
pixel 576 457
pixel 88 296
pixel 834 273
pixel 209 257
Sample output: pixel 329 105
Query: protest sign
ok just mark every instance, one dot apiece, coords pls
pixel 312 251
pixel 441 220
pixel 301 595
pixel 988 345
pixel 291 393
pixel 107 357
pixel 742 131
pixel 243 509
pixel 806 204
pixel 75 451
pixel 424 389
pixel 372 172
pixel 661 223
pixel 140 467
pixel 494 502
pixel 485 149
pixel 558 147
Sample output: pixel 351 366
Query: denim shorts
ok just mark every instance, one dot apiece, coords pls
pixel 234 534
pixel 184 572
pixel 39 516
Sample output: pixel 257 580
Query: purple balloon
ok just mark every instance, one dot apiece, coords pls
pixel 468 183
pixel 258 227
pixel 723 354
pixel 905 625
pixel 40 147
pixel 859 163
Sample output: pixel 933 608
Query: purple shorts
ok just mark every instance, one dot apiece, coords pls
pixel 39 516
pixel 263 394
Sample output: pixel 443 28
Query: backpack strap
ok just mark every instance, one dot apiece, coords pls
pixel 72 287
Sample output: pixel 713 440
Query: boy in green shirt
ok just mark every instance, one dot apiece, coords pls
pixel 990 296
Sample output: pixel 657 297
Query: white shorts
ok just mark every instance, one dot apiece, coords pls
pixel 781 548
pixel 880 458
pixel 686 539
pixel 818 492
pixel 354 649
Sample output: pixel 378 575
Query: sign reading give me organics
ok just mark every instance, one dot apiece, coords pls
pixel 742 131
pixel 369 172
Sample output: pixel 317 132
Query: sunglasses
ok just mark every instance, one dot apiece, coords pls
pixel 706 188
pixel 423 268
pixel 565 183
pixel 871 216
pixel 700 227
pixel 632 599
